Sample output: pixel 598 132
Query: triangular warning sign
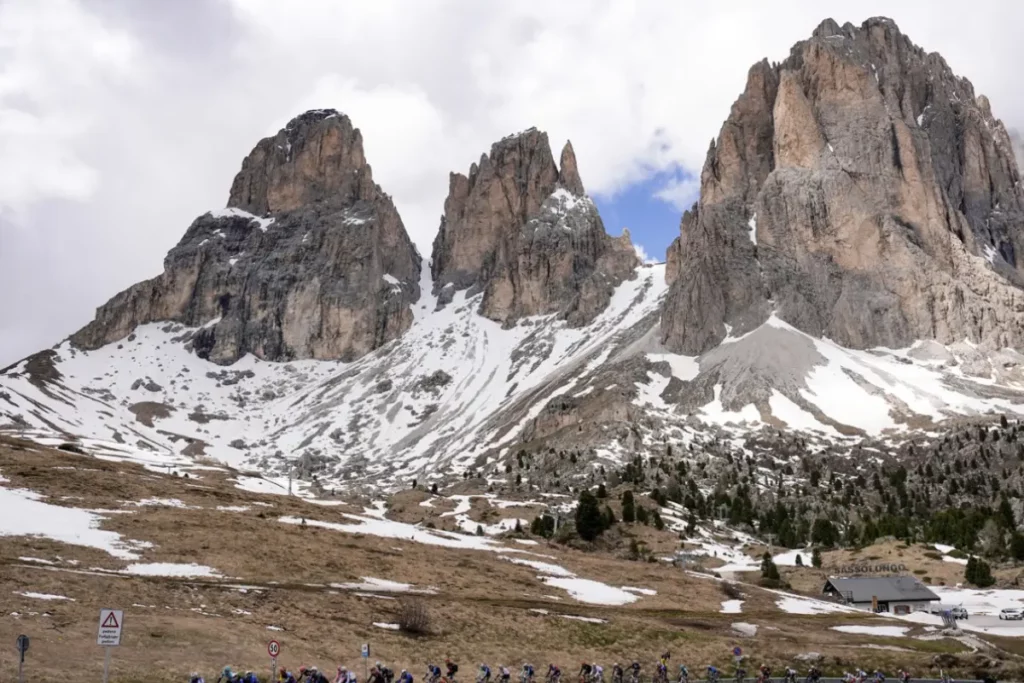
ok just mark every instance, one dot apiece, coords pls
pixel 110 621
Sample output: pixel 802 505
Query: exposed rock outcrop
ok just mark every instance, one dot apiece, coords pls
pixel 522 230
pixel 861 191
pixel 309 260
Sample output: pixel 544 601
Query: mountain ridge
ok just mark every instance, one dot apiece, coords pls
pixel 796 297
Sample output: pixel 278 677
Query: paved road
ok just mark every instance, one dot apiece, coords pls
pixel 1009 628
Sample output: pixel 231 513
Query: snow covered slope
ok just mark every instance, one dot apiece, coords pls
pixel 457 390
pixel 455 385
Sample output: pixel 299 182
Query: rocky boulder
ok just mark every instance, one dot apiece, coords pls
pixel 860 191
pixel 523 231
pixel 309 260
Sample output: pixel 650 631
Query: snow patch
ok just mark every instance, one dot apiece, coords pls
pixel 894 631
pixel 731 606
pixel 43 596
pixel 190 570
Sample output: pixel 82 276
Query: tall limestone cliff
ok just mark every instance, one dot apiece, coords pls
pixel 309 260
pixel 860 191
pixel 522 230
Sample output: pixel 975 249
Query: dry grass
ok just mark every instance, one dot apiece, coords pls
pixel 482 610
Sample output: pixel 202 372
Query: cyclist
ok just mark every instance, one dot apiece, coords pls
pixel 904 677
pixel 740 675
pixel 616 673
pixel 684 674
pixel 504 676
pixel 879 676
pixel 526 675
pixel 634 675
pixel 661 672
pixel 597 673
pixel 485 674
pixel 285 676
pixel 452 668
pixel 433 673
pixel 813 676
pixel 554 674
pixel 250 677
pixel 765 672
pixel 195 678
pixel 406 677
pixel 712 674
pixel 386 673
pixel 584 674
pixel 790 675
pixel 226 676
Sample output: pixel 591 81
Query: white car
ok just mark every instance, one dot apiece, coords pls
pixel 1011 614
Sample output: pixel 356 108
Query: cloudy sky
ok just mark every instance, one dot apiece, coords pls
pixel 121 120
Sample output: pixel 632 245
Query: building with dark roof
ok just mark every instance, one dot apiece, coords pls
pixel 895 594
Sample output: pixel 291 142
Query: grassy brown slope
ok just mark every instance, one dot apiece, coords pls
pixel 482 610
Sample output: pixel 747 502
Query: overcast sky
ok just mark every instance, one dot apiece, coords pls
pixel 122 120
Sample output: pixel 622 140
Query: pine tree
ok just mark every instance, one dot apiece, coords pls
pixel 479 530
pixel 433 489
pixel 641 515
pixel 768 569
pixel 601 491
pixel 816 558
pixel 1017 546
pixel 608 517
pixel 634 549
pixel 628 508
pixel 589 523
pixel 659 523
pixel 799 560
pixel 519 527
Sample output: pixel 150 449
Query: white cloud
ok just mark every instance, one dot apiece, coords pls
pixel 680 192
pixel 642 254
pixel 121 121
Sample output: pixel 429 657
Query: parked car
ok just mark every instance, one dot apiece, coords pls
pixel 1011 614
pixel 959 613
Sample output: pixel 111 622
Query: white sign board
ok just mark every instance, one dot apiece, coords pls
pixel 366 650
pixel 111 623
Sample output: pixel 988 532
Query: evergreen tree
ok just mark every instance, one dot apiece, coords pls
pixel 519 527
pixel 816 558
pixel 768 569
pixel 659 524
pixel 589 523
pixel 641 515
pixel 543 525
pixel 799 560
pixel 628 508
pixel 1017 546
pixel 433 489
pixel 634 549
pixel 479 530
pixel 601 491
pixel 978 572
pixel 608 518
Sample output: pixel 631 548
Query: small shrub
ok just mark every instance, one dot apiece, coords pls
pixel 919 572
pixel 71 448
pixel 932 555
pixel 413 616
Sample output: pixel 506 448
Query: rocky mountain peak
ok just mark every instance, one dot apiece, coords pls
pixel 859 190
pixel 520 229
pixel 309 260
pixel 568 172
pixel 318 155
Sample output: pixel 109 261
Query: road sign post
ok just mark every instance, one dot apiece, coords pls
pixel 366 661
pixel 111 624
pixel 273 649
pixel 22 649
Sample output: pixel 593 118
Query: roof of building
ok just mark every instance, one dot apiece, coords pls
pixel 885 588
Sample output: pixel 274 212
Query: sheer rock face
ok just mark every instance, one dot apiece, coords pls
pixel 309 260
pixel 523 232
pixel 861 191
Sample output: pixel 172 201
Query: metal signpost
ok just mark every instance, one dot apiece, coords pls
pixel 273 649
pixel 22 649
pixel 366 661
pixel 111 623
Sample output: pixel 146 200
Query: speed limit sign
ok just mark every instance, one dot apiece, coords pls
pixel 274 648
